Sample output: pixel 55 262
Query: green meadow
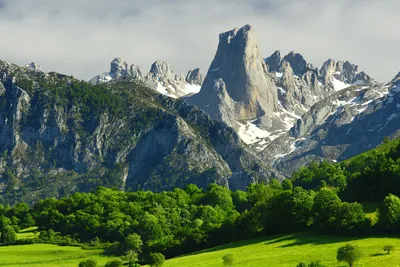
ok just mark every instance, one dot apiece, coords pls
pixel 289 250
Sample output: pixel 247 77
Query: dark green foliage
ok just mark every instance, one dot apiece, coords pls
pixel 316 263
pixel 311 177
pixel 88 263
pixel 8 235
pixel 156 260
pixel 287 184
pixel 388 248
pixel 349 253
pixel 229 259
pixel 389 213
pixel 114 263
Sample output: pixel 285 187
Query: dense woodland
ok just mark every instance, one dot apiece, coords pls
pixel 321 197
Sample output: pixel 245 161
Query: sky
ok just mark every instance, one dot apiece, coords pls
pixel 81 37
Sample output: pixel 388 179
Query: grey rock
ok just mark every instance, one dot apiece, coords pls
pixel 274 62
pixel 237 86
pixel 297 62
pixel 195 77
pixel 33 66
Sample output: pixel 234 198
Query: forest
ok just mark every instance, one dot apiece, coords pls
pixel 142 226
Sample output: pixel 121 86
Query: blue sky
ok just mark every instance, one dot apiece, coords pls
pixel 81 37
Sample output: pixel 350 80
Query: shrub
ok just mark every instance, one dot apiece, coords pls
pixel 114 263
pixel 156 260
pixel 316 263
pixel 388 249
pixel 8 235
pixel 88 263
pixel 229 259
pixel 349 253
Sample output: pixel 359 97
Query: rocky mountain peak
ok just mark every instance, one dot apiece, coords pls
pixel 274 61
pixel 118 67
pixel 195 77
pixel 241 75
pixel 297 62
pixel 33 66
pixel 161 69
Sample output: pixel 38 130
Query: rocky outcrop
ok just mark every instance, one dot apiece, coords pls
pixel 341 126
pixel 237 86
pixel 33 66
pixel 160 78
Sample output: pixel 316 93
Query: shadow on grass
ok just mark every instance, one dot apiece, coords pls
pixel 298 239
pixel 378 254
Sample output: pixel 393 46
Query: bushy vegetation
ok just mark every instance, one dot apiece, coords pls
pixel 146 227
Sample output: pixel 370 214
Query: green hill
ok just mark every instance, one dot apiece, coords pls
pixel 289 250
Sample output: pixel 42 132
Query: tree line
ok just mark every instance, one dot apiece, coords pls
pixel 143 225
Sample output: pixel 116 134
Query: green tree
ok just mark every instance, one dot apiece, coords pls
pixel 389 213
pixel 8 235
pixel 388 248
pixel 287 184
pixel 4 222
pixel 131 257
pixel 88 263
pixel 156 259
pixel 326 205
pixel 229 259
pixel 133 242
pixel 349 253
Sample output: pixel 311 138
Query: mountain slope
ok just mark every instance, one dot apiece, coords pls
pixel 341 126
pixel 59 135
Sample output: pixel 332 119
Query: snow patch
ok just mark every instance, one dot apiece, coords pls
pixel 339 85
pixel 192 88
pixel 279 74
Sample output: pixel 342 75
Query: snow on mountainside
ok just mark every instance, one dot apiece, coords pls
pixel 343 125
pixel 160 78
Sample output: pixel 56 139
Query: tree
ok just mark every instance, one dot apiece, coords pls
pixel 133 242
pixel 114 263
pixel 287 184
pixel 388 248
pixel 131 257
pixel 349 253
pixel 4 222
pixel 88 263
pixel 156 260
pixel 8 235
pixel 229 259
pixel 389 213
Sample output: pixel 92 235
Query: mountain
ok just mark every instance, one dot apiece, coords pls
pixel 263 98
pixel 160 78
pixel 59 135
pixel 341 126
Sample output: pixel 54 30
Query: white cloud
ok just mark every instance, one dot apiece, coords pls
pixel 81 37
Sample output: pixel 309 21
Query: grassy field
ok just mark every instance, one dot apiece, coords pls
pixel 288 251
pixel 46 255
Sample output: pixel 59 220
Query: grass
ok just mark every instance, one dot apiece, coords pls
pixel 48 255
pixel 371 211
pixel 28 233
pixel 289 250
pixel 359 160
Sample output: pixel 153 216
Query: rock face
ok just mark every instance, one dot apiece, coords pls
pixel 78 137
pixel 237 86
pixel 33 66
pixel 343 125
pixel 160 78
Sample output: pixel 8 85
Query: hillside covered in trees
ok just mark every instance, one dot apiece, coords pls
pixel 322 197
